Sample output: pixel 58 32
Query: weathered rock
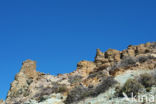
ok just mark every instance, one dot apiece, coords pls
pixel 2 102
pixel 29 69
pixel 99 57
pixel 140 49
pixel 112 55
pixel 33 87
pixel 19 88
pixel 85 67
pixel 109 57
pixel 128 52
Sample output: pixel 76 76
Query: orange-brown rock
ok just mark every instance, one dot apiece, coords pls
pixel 29 83
pixel 22 80
pixel 140 49
pixel 99 57
pixel 85 67
pixel 112 55
pixel 29 68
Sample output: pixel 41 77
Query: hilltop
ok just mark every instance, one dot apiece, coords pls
pixel 99 82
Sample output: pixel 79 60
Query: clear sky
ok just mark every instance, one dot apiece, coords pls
pixel 59 33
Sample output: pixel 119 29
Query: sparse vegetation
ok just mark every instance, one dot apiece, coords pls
pixel 131 86
pixel 144 81
pixel 78 93
pixel 24 91
pixel 128 61
pixel 75 79
pixel 143 59
pixel 106 83
pixel 131 61
pixel 81 92
pixel 57 88
pixel 147 80
pixel 98 74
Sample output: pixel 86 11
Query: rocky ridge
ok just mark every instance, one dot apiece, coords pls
pixel 32 87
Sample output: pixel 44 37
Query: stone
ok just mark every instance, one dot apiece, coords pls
pixel 23 79
pixel 2 102
pixel 85 67
pixel 29 68
pixel 131 52
pixel 140 49
pixel 99 56
pixel 32 86
pixel 112 55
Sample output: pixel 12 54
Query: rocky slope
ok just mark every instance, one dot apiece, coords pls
pixel 91 83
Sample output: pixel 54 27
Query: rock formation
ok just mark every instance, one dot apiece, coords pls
pixel 32 87
pixel 20 87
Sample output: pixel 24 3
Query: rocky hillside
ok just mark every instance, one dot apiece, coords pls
pixel 100 82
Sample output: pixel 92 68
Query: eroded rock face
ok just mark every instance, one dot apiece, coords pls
pixel 35 87
pixel 20 87
pixel 112 56
pixel 29 69
pixel 85 67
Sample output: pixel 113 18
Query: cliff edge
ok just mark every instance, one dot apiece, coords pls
pixel 91 82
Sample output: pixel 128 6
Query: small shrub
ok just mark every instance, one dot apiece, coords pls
pixel 75 79
pixel 98 74
pixel 142 59
pixel 147 80
pixel 106 83
pixel 131 86
pixel 128 61
pixel 40 96
pixel 62 88
pixel 57 88
pixel 115 66
pixel 80 92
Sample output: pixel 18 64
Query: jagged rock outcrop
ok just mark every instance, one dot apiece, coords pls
pixel 29 69
pixel 85 67
pixel 20 87
pixel 111 56
pixel 32 87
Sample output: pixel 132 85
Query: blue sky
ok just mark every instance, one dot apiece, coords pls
pixel 59 33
